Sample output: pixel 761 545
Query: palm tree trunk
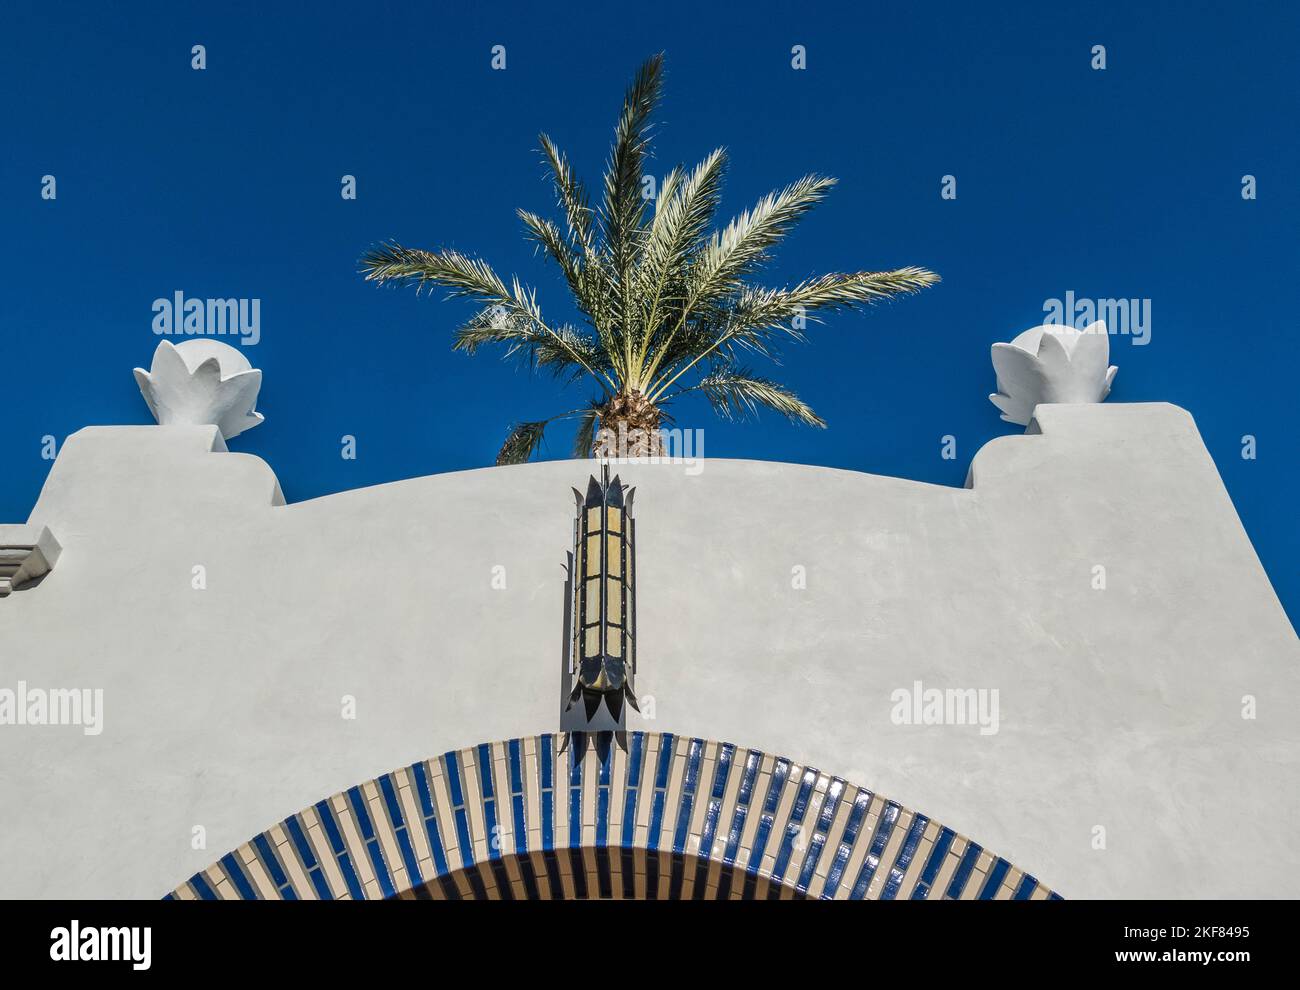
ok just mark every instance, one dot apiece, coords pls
pixel 629 427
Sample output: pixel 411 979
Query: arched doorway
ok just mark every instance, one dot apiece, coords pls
pixel 617 873
pixel 669 817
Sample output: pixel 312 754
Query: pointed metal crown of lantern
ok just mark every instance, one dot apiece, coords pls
pixel 602 608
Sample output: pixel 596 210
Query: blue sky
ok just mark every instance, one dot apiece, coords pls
pixel 225 182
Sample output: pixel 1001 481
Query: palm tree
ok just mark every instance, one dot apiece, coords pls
pixel 667 305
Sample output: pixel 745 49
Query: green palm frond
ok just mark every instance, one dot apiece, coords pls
pixel 737 393
pixel 663 293
pixel 588 280
pixel 623 210
pixel 565 350
pixel 521 442
pixel 523 439
pixel 624 206
pixel 549 237
pixel 571 194
pixel 585 438
pixel 463 275
pixel 830 292
pixel 680 226
pixel 469 277
pixel 742 246
pixel 746 242
pixel 757 314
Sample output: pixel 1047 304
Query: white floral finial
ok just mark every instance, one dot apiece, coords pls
pixel 1051 363
pixel 201 382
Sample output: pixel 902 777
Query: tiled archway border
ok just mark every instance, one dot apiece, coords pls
pixel 521 819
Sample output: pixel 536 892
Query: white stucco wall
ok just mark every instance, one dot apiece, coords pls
pixel 1119 708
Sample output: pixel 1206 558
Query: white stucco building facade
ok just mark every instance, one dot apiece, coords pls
pixel 1093 573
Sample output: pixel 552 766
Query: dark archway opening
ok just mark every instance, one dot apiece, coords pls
pixel 610 873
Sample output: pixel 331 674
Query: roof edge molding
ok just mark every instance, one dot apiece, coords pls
pixel 27 553
pixel 672 817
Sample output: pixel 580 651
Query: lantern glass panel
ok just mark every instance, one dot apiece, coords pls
pixel 593 555
pixel 591 646
pixel 615 519
pixel 593 519
pixel 615 557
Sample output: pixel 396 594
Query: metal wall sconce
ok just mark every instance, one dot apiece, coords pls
pixel 601 593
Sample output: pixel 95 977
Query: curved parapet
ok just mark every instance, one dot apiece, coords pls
pixel 671 817
pixel 1075 650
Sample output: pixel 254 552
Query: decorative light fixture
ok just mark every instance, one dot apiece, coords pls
pixel 602 609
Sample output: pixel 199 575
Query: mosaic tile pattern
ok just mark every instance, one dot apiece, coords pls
pixel 672 817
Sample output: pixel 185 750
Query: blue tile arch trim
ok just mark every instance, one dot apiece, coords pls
pixel 672 816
